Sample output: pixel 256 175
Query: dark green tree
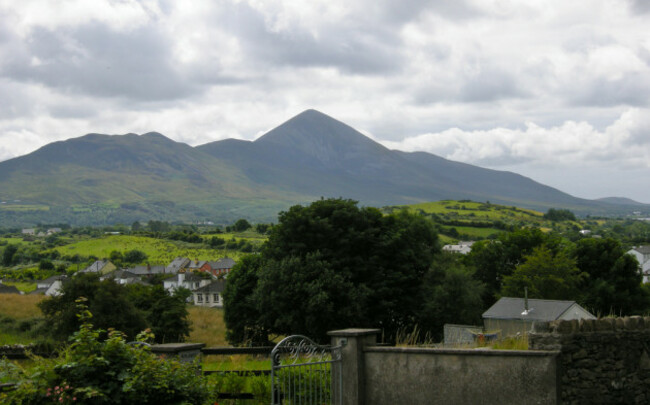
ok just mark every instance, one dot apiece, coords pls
pixel 241 314
pixel 134 256
pixel 614 283
pixel 9 255
pixel 241 225
pixel 450 294
pixel 108 301
pixel 377 262
pixel 556 214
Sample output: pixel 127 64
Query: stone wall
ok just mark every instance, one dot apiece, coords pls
pixel 603 361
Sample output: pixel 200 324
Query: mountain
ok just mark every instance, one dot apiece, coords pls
pixel 119 178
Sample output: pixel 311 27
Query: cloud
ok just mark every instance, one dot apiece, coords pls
pixel 571 144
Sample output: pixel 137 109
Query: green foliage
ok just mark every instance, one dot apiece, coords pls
pixel 134 256
pixel 96 371
pixel 546 275
pixel 9 255
pixel 450 294
pixel 614 283
pixel 555 214
pixel 130 309
pixel 241 225
pixel 330 265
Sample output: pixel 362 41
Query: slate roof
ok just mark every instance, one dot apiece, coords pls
pixel 214 287
pixel 189 277
pixel 39 291
pixel 8 289
pixel 223 264
pixel 51 280
pixel 95 267
pixel 196 264
pixel 177 264
pixel 143 270
pixel 538 310
pixel 643 249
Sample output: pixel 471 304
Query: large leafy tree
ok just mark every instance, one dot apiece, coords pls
pixel 331 265
pixel 450 294
pixel 614 283
pixel 495 260
pixel 547 275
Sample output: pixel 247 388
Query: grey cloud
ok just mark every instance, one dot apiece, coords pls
pixel 357 49
pixel 640 6
pixel 490 85
pixel 94 60
pixel 408 10
pixel 632 89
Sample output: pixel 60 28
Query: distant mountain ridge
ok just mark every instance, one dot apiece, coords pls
pixel 309 156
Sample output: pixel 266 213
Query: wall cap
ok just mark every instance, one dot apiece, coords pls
pixel 354 332
pixel 461 352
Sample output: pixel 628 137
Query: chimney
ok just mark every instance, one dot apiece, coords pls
pixel 526 298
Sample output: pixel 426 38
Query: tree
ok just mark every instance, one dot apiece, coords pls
pixel 375 263
pixel 134 256
pixel 614 283
pixel 555 214
pixel 9 255
pixel 546 275
pixel 450 294
pixel 241 225
pixel 108 301
pixel 241 312
pixel 496 259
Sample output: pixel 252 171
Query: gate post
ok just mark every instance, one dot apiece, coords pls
pixel 351 380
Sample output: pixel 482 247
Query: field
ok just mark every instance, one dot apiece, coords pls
pixel 158 251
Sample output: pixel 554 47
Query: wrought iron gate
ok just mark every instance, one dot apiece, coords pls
pixel 303 372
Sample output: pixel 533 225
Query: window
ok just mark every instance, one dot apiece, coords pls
pixel 215 298
pixel 199 297
pixel 207 298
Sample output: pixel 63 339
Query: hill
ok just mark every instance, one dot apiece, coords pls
pixel 102 179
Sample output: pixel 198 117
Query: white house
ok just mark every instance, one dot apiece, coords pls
pixel 185 280
pixel 462 247
pixel 642 254
pixel 210 295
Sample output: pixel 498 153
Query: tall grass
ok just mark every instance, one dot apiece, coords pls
pixel 207 325
pixel 18 306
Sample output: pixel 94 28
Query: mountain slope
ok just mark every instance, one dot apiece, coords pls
pixel 128 177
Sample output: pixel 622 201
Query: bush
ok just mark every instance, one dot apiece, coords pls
pixel 92 371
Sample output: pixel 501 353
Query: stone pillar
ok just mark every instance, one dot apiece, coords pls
pixel 352 362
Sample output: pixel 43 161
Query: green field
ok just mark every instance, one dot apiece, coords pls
pixel 476 211
pixel 158 251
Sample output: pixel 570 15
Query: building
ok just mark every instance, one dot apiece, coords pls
pixel 222 267
pixel 189 281
pixel 512 316
pixel 462 247
pixel 642 255
pixel 210 295
pixel 100 266
pixel 177 265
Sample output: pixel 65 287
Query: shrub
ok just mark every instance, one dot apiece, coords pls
pixel 92 371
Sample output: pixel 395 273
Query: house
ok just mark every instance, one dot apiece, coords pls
pixel 177 265
pixel 642 254
pixel 198 265
pixel 512 316
pixel 222 267
pixel 210 295
pixel 123 277
pixel 462 247
pixel 185 280
pixel 100 266
pixel 52 231
pixel 29 231
pixel 47 283
pixel 147 270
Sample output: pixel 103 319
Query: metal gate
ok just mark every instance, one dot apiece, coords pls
pixel 303 372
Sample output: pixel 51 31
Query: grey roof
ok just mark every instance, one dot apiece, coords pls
pixel 8 289
pixel 120 274
pixel 51 280
pixel 177 264
pixel 39 291
pixel 225 263
pixel 214 287
pixel 189 277
pixel 538 310
pixel 143 270
pixel 196 264
pixel 643 249
pixel 95 267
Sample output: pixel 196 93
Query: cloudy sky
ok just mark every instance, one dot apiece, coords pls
pixel 552 89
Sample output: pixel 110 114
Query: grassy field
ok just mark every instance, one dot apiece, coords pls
pixel 476 211
pixel 157 250
pixel 208 326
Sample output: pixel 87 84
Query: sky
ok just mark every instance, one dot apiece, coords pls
pixel 555 90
